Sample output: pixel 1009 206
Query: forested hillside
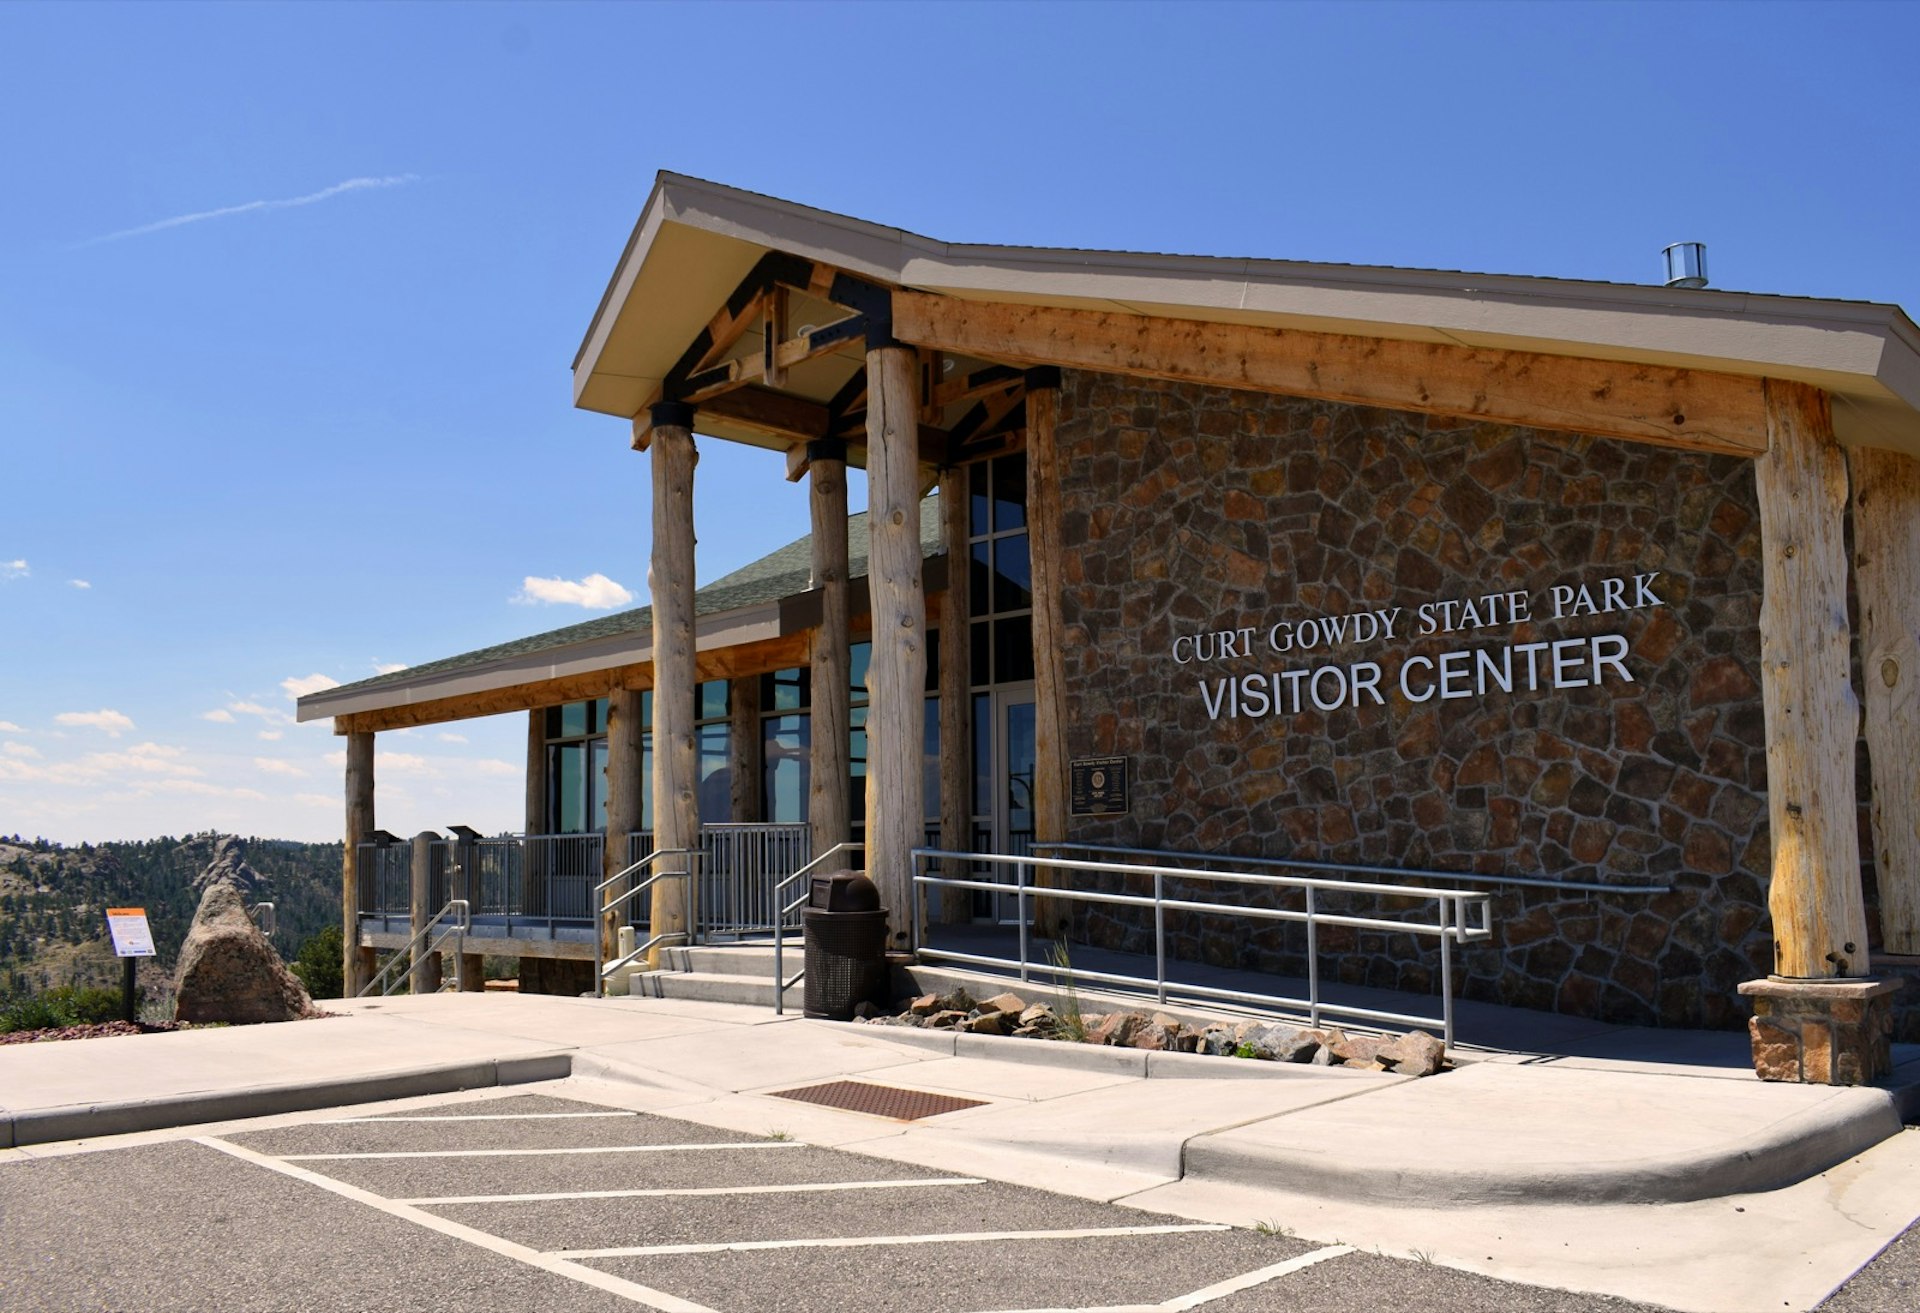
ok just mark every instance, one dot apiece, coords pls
pixel 53 901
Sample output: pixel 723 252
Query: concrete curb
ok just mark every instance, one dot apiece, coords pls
pixel 90 1121
pixel 1143 1063
pixel 1784 1153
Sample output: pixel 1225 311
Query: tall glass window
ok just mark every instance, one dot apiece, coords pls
pixel 577 767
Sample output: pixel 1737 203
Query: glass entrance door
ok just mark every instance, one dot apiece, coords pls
pixel 1003 790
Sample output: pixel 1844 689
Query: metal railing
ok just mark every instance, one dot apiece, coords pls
pixel 780 927
pixel 264 918
pixel 1297 864
pixel 1450 924
pixel 691 865
pixel 427 941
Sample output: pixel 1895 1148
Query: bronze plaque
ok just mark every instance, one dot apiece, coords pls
pixel 1100 786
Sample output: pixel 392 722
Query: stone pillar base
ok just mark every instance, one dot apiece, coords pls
pixel 1822 1032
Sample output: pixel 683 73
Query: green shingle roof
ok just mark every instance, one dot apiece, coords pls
pixel 778 575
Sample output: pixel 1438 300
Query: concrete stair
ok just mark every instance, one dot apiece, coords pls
pixel 720 973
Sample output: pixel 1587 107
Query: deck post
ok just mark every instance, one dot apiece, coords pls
pixel 897 672
pixel 1817 1018
pixel 1049 662
pixel 426 965
pixel 829 768
pixel 670 579
pixel 532 899
pixel 956 695
pixel 356 967
pixel 624 783
pixel 744 749
pixel 1886 571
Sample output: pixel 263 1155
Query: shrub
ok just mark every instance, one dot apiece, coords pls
pixel 318 963
pixel 63 1005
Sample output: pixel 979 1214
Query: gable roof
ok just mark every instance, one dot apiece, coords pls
pixel 695 241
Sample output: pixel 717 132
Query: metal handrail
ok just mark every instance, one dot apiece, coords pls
pixel 780 983
pixel 601 968
pixel 264 917
pixel 463 921
pixel 1451 925
pixel 1474 877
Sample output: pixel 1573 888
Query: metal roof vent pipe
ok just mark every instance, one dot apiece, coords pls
pixel 1686 264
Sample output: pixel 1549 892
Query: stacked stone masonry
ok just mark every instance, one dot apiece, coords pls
pixel 1189 509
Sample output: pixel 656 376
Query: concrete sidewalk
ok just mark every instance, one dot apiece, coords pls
pixel 1370 1157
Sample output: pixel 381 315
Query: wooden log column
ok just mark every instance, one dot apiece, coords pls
pixel 829 769
pixel 470 976
pixel 956 695
pixel 624 783
pixel 1816 1019
pixel 897 672
pixel 532 884
pixel 425 969
pixel 1886 571
pixel 356 967
pixel 745 748
pixel 1049 662
pixel 676 762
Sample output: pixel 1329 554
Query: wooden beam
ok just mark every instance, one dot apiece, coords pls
pixel 676 757
pixel 355 967
pixel 713 663
pixel 897 669
pixel 956 696
pixel 976 383
pixel 1812 715
pixel 626 785
pixel 424 967
pixel 829 813
pixel 1049 639
pixel 794 418
pixel 772 372
pixel 1886 571
pixel 721 378
pixel 1691 409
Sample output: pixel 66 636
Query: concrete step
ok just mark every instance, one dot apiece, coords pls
pixel 711 987
pixel 733 959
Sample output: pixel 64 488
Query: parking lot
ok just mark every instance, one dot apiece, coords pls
pixel 531 1201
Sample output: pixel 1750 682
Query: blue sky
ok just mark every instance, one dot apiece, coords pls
pixel 325 426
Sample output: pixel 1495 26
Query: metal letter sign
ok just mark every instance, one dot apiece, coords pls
pixel 128 926
pixel 1100 786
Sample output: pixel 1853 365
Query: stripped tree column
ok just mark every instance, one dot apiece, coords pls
pixel 1886 540
pixel 533 857
pixel 956 694
pixel 1049 664
pixel 425 965
pixel 356 966
pixel 624 783
pixel 829 769
pixel 897 671
pixel 745 750
pixel 1816 1018
pixel 676 799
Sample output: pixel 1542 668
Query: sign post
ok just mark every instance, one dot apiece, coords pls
pixel 131 940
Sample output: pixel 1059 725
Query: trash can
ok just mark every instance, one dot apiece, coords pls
pixel 846 945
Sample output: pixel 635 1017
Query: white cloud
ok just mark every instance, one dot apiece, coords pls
pixel 388 667
pixel 112 722
pixel 272 735
pixel 255 709
pixel 219 716
pixel 275 766
pixel 15 569
pixel 253 207
pixel 452 738
pixel 8 727
pixel 315 800
pixel 79 583
pixel 299 686
pixel 401 763
pixel 19 749
pixel 596 592
pixel 494 766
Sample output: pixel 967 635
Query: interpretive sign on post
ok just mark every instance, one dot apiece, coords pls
pixel 1100 786
pixel 131 939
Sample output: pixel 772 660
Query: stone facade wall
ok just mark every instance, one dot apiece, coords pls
pixel 1189 510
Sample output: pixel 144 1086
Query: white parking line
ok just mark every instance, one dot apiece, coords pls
pixel 613 1285
pixel 693 1191
pixel 1207 1294
pixel 856 1242
pixel 537 1153
pixel 476 1117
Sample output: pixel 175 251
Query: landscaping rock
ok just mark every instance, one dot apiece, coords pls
pixel 1009 1003
pixel 1265 1039
pixel 945 1019
pixel 925 1006
pixel 1218 1040
pixel 228 971
pixel 985 1023
pixel 1300 1046
pixel 1415 1054
pixel 1040 1014
pixel 1152 1036
pixel 1116 1028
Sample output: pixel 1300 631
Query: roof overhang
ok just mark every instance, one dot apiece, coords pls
pixel 696 240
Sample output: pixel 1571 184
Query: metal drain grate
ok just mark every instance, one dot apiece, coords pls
pixel 879 1100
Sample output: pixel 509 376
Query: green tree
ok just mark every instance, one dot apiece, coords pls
pixel 318 963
